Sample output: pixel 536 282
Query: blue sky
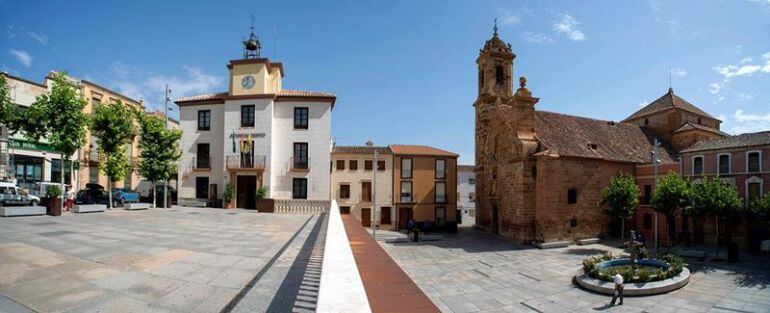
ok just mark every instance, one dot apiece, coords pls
pixel 404 71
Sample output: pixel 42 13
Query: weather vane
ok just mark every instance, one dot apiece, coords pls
pixel 495 28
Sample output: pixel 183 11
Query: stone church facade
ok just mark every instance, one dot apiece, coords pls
pixel 539 174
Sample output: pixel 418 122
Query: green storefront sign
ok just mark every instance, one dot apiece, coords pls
pixel 29 145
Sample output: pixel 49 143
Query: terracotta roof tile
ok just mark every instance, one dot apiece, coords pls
pixel 738 141
pixel 360 150
pixel 566 135
pixel 203 97
pixel 420 150
pixel 691 126
pixel 303 93
pixel 668 101
pixel 219 96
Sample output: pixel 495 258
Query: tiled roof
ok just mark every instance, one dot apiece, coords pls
pixel 465 168
pixel 360 150
pixel 420 150
pixel 667 101
pixel 303 93
pixel 203 97
pixel 690 125
pixel 573 136
pixel 738 141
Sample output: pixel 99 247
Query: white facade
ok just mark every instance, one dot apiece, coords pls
pixel 356 200
pixel 272 163
pixel 466 193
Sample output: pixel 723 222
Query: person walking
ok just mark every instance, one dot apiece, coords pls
pixel 618 280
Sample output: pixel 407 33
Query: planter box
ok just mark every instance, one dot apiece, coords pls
pixel 22 210
pixel 553 244
pixel 136 206
pixel 266 205
pixel 87 208
pixel 52 205
pixel 587 241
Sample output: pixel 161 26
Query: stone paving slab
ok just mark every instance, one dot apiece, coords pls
pixel 477 272
pixel 157 260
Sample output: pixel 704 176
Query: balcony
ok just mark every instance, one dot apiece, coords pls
pixel 300 164
pixel 245 162
pixel 201 164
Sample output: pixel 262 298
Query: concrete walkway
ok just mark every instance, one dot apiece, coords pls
pixel 387 287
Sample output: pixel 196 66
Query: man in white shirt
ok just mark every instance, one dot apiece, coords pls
pixel 618 280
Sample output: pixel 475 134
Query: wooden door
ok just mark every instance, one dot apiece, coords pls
pixel 246 191
pixel 366 217
pixel 404 215
pixel 366 191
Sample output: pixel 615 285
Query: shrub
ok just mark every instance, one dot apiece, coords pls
pixel 227 194
pixel 261 192
pixel 52 191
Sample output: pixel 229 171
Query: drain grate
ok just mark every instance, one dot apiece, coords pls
pixel 57 233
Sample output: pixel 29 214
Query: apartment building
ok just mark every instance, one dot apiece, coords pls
pixel 466 194
pixel 424 185
pixel 357 178
pixel 256 134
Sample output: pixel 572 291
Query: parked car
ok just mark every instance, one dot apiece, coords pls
pixel 92 194
pixel 122 195
pixel 11 195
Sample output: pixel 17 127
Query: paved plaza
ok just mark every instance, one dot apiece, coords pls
pixel 172 260
pixel 477 272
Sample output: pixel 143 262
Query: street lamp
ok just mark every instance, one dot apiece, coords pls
pixel 165 114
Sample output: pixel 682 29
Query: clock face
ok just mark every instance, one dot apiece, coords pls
pixel 247 81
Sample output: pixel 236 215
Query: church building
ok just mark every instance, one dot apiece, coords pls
pixel 539 174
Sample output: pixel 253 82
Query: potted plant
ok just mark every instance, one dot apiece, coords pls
pixel 263 204
pixel 227 196
pixel 52 200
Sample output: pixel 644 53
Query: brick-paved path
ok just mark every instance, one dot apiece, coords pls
pixel 388 288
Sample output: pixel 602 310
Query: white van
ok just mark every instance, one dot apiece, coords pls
pixel 11 195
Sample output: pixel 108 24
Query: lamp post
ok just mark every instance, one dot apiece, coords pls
pixel 655 162
pixel 374 196
pixel 165 182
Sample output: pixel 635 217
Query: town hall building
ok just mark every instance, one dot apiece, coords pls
pixel 539 174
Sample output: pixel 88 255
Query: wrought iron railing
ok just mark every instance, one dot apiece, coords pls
pixel 201 163
pixel 300 164
pixel 245 161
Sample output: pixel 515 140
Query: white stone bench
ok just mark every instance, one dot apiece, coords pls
pixel 553 244
pixel 86 208
pixel 136 206
pixel 692 253
pixel 192 203
pixel 22 210
pixel 587 241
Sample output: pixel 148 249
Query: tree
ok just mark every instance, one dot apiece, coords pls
pixel 6 109
pixel 113 126
pixel 716 197
pixel 160 150
pixel 620 198
pixel 57 116
pixel 759 211
pixel 671 194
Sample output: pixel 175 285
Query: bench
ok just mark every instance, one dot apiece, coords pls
pixel 22 210
pixel 692 253
pixel 553 244
pixel 136 206
pixel 86 208
pixel 192 203
pixel 587 241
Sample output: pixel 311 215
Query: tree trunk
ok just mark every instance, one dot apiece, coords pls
pixel 63 190
pixel 668 235
pixel 153 194
pixel 716 221
pixel 109 191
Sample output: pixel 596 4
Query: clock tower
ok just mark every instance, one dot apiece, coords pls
pixel 254 75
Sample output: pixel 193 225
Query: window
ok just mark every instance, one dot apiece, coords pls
pixel 572 196
pixel 353 165
pixel 201 187
pixel 753 191
pixel 499 75
pixel 300 118
pixel 385 215
pixel 406 191
pixel 203 160
pixel 724 164
pixel 366 191
pixel 368 165
pixel 440 169
pixel 753 163
pixel 380 165
pixel 573 223
pixel 247 116
pixel 471 181
pixel 646 121
pixel 697 165
pixel 340 165
pixel 56 171
pixel 471 196
pixel 344 210
pixel 300 155
pixel 345 191
pixel 406 168
pixel 204 120
pixel 647 194
pixel 441 192
pixel 647 221
pixel 440 216
pixel 299 188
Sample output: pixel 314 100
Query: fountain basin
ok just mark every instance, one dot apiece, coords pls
pixel 652 287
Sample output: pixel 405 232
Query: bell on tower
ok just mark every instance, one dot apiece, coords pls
pixel 495 63
pixel 251 46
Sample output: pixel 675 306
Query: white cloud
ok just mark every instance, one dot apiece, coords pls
pixel 536 37
pixel 766 55
pixel 674 28
pixel 654 4
pixel 139 83
pixel 744 96
pixel 568 26
pixel 747 122
pixel 10 32
pixel 746 60
pixel 509 19
pixel 714 88
pixel 22 56
pixel 40 38
pixel 643 103
pixel 678 72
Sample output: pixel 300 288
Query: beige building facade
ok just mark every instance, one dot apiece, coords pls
pixel 363 186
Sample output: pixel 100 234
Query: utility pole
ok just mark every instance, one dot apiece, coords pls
pixel 165 183
pixel 655 161
pixel 374 196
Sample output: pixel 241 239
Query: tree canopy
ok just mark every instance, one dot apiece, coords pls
pixel 760 210
pixel 621 196
pixel 160 149
pixel 716 197
pixel 671 194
